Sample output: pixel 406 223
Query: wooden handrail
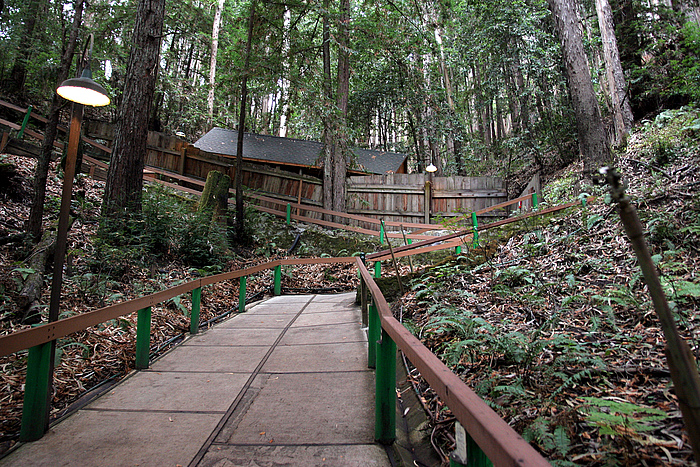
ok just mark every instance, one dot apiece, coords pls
pixel 501 444
pixel 406 249
pixel 27 338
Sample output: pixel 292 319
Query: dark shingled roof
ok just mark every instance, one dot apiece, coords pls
pixel 266 148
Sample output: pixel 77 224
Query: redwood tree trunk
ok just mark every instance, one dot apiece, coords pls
pixel 125 175
pixel 622 111
pixel 212 63
pixel 592 140
pixel 36 214
pixel 341 146
pixel 328 137
pixel 238 180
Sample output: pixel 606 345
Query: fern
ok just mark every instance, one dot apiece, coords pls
pixel 617 418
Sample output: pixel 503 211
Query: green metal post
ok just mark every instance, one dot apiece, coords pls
pixel 278 280
pixel 584 200
pixel 385 399
pixel 36 387
pixel 458 250
pixel 143 338
pixel 377 269
pixel 475 230
pixel 475 456
pixel 534 201
pixel 410 241
pixel 196 305
pixel 373 332
pixel 241 294
pixel 289 214
pixel 467 452
pixel 381 233
pixel 24 122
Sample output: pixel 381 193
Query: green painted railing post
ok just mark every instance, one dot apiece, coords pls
pixel 475 231
pixel 36 388
pixel 385 398
pixel 278 280
pixel 289 214
pixel 196 306
pixel 373 333
pixel 534 201
pixel 377 269
pixel 143 338
pixel 467 452
pixel 24 122
pixel 381 233
pixel 241 294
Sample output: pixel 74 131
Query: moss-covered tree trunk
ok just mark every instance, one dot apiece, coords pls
pixel 215 196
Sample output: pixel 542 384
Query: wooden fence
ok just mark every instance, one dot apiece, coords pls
pixel 404 198
pixel 423 197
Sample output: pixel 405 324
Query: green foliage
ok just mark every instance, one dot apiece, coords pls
pixel 168 227
pixel 549 437
pixel 662 57
pixel 620 418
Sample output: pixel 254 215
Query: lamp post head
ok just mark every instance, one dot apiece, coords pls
pixel 84 90
pixel 431 168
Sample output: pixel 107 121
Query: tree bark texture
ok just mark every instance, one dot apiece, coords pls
pixel 18 74
pixel 328 139
pixel 29 297
pixel 593 142
pixel 215 196
pixel 622 111
pixel 240 214
pixel 212 63
pixel 125 175
pixel 341 147
pixel 36 214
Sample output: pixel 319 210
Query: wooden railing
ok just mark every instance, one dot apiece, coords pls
pixel 39 339
pixel 484 428
pixel 487 433
pixel 500 443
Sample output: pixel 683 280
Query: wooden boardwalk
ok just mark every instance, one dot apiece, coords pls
pixel 285 383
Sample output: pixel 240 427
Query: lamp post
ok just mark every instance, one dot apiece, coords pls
pixel 428 189
pixel 81 91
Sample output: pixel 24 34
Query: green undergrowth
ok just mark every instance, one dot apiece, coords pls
pixel 538 323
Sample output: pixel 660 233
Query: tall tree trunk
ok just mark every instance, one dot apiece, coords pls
pixel 329 116
pixel 454 133
pixel 622 111
pixel 212 63
pixel 341 140
pixel 285 66
pixel 593 142
pixel 36 214
pixel 240 213
pixel 125 174
pixel 18 75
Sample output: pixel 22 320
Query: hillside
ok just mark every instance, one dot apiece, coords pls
pixel 547 319
pixel 554 326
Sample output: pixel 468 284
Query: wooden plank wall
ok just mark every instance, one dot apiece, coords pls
pixel 422 198
pixel 392 197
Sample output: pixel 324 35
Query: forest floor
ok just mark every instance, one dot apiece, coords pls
pixel 548 319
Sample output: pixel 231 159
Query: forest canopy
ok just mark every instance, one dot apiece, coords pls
pixel 469 85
